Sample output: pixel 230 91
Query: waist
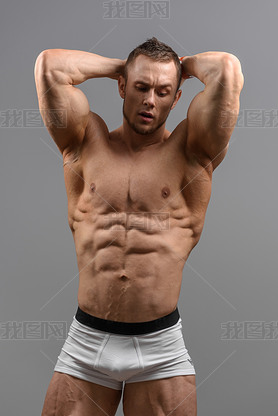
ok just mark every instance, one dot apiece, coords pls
pixel 127 328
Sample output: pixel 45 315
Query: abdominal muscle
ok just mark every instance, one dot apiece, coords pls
pixel 131 270
pixel 135 220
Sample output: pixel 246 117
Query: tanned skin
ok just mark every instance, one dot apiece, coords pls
pixel 137 199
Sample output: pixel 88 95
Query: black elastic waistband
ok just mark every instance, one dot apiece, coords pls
pixel 127 328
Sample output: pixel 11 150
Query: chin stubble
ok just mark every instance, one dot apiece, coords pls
pixel 139 131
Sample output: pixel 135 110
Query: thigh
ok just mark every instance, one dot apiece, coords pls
pixel 175 396
pixel 71 396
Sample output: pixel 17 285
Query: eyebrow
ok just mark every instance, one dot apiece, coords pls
pixel 160 86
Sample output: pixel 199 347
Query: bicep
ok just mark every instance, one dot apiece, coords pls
pixel 64 109
pixel 211 119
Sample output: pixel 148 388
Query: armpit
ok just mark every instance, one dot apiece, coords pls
pixel 71 157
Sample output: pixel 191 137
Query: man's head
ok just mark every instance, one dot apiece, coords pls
pixel 150 85
pixel 159 52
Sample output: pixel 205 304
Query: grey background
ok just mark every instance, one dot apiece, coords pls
pixel 231 275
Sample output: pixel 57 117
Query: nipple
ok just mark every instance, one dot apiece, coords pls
pixel 93 187
pixel 165 192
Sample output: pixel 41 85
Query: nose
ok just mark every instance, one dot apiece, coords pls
pixel 149 98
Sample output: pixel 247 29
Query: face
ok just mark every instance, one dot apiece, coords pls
pixel 149 94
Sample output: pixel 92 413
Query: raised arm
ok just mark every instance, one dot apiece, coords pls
pixel 213 113
pixel 65 108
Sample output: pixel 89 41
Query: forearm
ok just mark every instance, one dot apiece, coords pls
pixel 208 66
pixel 75 66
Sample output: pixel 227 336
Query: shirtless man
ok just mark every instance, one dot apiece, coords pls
pixel 137 198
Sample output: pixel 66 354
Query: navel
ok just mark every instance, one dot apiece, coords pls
pixel 165 192
pixel 124 278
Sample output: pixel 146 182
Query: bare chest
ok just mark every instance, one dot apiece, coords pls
pixel 105 179
pixel 114 180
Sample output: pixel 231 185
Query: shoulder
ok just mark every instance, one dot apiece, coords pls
pixel 96 124
pixel 96 129
pixel 193 157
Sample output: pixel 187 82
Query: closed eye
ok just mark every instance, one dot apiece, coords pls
pixel 141 88
pixel 144 89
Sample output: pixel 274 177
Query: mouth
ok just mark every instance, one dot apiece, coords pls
pixel 146 116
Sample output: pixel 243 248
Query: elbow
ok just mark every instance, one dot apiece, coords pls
pixel 232 70
pixel 43 61
pixel 40 62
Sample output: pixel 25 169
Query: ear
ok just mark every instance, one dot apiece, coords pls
pixel 177 97
pixel 121 86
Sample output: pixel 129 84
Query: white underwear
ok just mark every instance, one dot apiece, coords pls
pixel 109 359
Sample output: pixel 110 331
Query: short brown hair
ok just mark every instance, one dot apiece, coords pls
pixel 158 51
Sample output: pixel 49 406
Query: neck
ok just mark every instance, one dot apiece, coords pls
pixel 136 142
